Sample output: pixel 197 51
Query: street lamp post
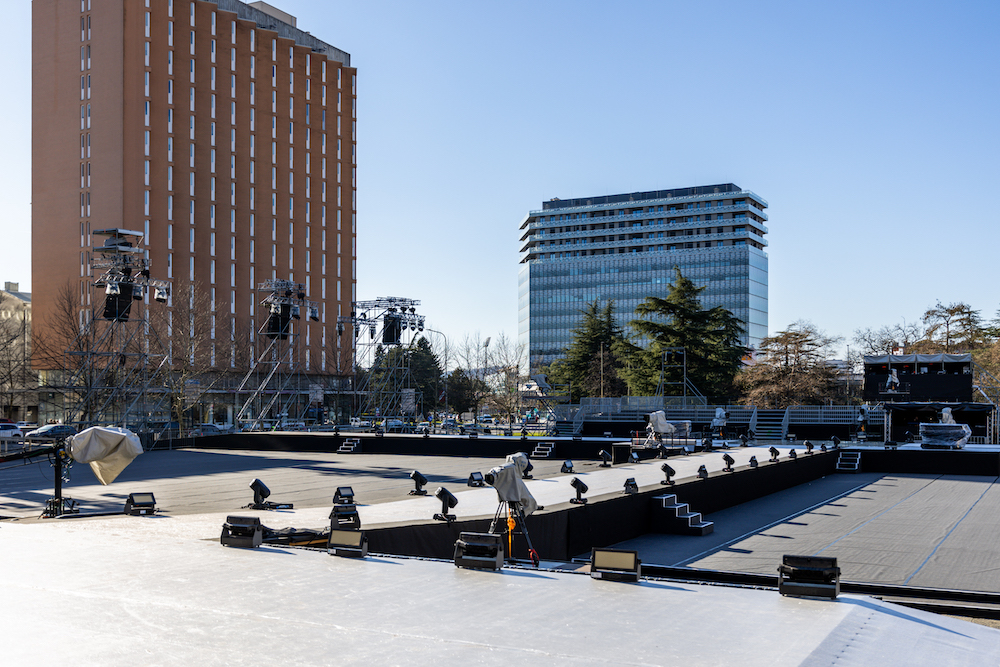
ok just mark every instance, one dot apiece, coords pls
pixel 445 366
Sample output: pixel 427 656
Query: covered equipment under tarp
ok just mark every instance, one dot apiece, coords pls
pixel 903 418
pixel 509 485
pixel 107 449
pixel 659 424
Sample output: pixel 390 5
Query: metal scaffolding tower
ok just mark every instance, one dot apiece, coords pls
pixel 382 329
pixel 277 369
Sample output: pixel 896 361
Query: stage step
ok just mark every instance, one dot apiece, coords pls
pixel 349 446
pixel 769 425
pixel 543 450
pixel 677 518
pixel 849 462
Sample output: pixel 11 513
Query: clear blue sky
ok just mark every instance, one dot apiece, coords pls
pixel 870 128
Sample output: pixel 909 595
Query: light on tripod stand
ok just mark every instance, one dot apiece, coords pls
pixel 448 501
pixel 581 489
pixel 668 472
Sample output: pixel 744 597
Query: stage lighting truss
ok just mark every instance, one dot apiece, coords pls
pixel 123 267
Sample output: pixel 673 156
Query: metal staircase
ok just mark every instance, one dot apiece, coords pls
pixel 770 424
pixel 849 462
pixel 677 518
pixel 543 450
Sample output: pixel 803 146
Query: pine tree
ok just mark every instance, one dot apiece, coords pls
pixel 592 363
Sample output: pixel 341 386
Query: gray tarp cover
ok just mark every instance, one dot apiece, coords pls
pixel 509 485
pixel 658 420
pixel 108 450
pixel 919 359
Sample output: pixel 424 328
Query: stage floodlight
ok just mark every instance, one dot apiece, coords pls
pixel 744 440
pixel 792 455
pixel 476 479
pixel 753 462
pixel 245 532
pixel 615 564
pixel 137 292
pixel 344 495
pixel 634 458
pixel 809 576
pixel 631 487
pixel 706 444
pixel 112 289
pixel 525 474
pixel 479 551
pixel 668 472
pixel 347 543
pixel 448 501
pixel 420 482
pixel 140 504
pixel 729 461
pixel 822 448
pixel 160 294
pixel 567 467
pixel 345 517
pixel 835 441
pixel 809 447
pixel 703 472
pixel 605 458
pixel 774 454
pixel 581 489
pixel 314 316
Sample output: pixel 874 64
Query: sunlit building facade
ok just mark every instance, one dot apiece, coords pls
pixel 625 247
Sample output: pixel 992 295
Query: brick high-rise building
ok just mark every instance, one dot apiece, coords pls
pixel 218 129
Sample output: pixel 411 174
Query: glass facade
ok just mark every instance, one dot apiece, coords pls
pixel 625 247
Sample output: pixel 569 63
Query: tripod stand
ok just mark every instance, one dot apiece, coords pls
pixel 514 518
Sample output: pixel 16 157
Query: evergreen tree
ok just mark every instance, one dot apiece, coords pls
pixel 592 363
pixel 710 339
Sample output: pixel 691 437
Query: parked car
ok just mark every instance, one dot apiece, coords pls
pixel 10 431
pixel 51 432
pixel 205 429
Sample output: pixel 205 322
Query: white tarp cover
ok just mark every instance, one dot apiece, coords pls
pixel 945 435
pixel 919 359
pixel 107 449
pixel 509 485
pixel 658 422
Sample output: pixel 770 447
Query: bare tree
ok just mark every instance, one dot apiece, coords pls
pixel 507 363
pixel 473 357
pixel 16 377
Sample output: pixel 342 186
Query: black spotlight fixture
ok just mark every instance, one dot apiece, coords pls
pixel 420 482
pixel 581 489
pixel 526 473
pixel 668 472
pixel 792 455
pixel 634 457
pixel 260 495
pixel 344 495
pixel 661 451
pixel 631 487
pixel 774 454
pixel 908 436
pixel 744 440
pixel 476 479
pixel 139 504
pixel 448 501
pixel 567 467
pixel 706 444
pixel 822 448
pixel 753 462
pixel 728 460
pixel 835 441
pixel 605 458
pixel 703 472
pixel 809 447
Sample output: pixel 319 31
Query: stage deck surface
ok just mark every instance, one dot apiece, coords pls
pixel 162 590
